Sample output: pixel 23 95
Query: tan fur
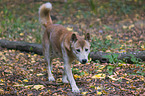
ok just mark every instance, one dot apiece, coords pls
pixel 59 42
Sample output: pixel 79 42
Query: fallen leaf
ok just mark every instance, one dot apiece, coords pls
pixel 38 87
pixel 84 93
pixel 101 76
pixel 124 27
pixel 1 53
pixel 18 85
pixel 1 80
pixel 142 47
pixel 112 78
pixel 69 29
pixel 102 67
pixel 25 80
pixel 21 34
pixel 108 51
pixel 131 26
pixel 1 90
pixel 77 76
pixel 40 74
pixel 28 86
pixel 2 84
pixel 99 93
pixel 109 37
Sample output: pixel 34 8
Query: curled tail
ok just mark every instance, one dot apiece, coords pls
pixel 44 14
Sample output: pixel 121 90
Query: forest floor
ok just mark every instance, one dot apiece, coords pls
pixel 23 73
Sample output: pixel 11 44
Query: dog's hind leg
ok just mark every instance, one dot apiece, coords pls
pixel 48 57
pixel 49 68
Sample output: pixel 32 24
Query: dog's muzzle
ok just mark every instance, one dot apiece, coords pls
pixel 84 61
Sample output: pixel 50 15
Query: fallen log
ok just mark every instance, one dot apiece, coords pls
pixel 37 48
pixel 22 46
pixel 125 56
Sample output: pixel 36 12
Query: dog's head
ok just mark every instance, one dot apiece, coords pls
pixel 81 47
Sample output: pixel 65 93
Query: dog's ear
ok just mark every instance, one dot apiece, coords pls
pixel 87 37
pixel 73 37
pixel 68 43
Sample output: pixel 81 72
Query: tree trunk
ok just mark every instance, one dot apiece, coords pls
pixel 37 48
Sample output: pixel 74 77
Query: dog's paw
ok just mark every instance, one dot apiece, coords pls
pixel 51 78
pixel 65 81
pixel 75 90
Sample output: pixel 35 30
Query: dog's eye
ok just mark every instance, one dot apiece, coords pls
pixel 86 49
pixel 78 50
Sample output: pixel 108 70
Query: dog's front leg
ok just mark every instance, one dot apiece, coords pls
pixel 64 78
pixel 68 72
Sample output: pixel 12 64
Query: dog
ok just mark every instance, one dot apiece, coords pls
pixel 59 42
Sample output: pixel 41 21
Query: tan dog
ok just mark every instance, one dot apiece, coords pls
pixel 59 42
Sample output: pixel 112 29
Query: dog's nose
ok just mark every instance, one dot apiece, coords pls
pixel 84 61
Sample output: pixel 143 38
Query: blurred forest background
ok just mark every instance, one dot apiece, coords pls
pixel 115 26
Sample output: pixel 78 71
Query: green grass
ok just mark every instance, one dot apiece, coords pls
pixel 116 7
pixel 12 25
pixel 98 44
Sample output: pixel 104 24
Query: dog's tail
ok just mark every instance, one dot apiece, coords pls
pixel 44 14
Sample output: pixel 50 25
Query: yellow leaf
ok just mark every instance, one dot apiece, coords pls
pixel 21 34
pixel 97 88
pixel 69 29
pixel 18 85
pixel 142 78
pixel 101 76
pixel 143 47
pixel 131 26
pixel 99 93
pixel 92 86
pixel 1 53
pixel 77 76
pixel 78 16
pixel 102 67
pixel 1 80
pixel 84 93
pixel 25 80
pixel 44 69
pixel 124 27
pixel 111 77
pixel 38 87
pixel 1 90
pixel 29 55
pixel 21 54
pixel 40 74
pixel 127 82
pixel 33 60
pixel 35 55
pixel 31 70
pixel 4 57
pixel 28 86
pixel 99 70
pixel 120 64
pixel 109 37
